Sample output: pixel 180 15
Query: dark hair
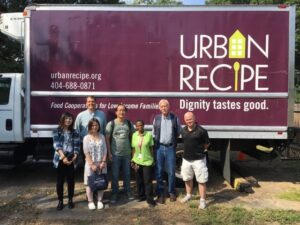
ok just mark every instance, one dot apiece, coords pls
pixel 62 118
pixel 90 124
pixel 120 104
pixel 140 121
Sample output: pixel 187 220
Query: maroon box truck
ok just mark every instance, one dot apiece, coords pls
pixel 233 66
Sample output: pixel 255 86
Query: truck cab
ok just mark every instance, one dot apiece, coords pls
pixel 11 116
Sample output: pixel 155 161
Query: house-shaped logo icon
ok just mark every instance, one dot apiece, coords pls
pixel 237 46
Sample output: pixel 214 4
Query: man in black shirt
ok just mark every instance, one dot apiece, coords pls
pixel 196 141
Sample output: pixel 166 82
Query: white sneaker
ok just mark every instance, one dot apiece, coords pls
pixel 186 199
pixel 91 206
pixel 202 204
pixel 100 205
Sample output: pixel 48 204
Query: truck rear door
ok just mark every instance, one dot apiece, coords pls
pixel 6 107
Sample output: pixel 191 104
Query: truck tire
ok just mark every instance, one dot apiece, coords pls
pixel 179 154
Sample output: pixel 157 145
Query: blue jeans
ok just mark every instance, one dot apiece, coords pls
pixel 165 159
pixel 117 163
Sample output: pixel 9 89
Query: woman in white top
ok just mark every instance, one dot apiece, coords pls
pixel 94 148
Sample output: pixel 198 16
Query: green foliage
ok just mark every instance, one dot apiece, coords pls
pixel 156 2
pixel 143 2
pixel 291 195
pixel 75 1
pixel 11 55
pixel 242 216
pixel 218 215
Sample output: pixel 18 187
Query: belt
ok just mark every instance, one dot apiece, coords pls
pixel 166 145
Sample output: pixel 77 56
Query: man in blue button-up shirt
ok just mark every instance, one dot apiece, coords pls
pixel 166 129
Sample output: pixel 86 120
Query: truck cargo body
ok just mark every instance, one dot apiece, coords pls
pixel 232 66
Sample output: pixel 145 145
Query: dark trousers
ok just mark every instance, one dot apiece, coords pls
pixel 144 176
pixel 65 172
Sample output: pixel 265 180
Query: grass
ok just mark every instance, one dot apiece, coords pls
pixel 297 95
pixel 291 195
pixel 242 216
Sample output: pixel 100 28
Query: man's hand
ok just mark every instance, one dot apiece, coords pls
pixel 110 156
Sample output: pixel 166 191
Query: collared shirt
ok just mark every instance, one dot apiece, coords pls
pixel 194 141
pixel 59 142
pixel 83 118
pixel 166 130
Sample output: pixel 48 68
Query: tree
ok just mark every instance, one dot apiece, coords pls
pixel 156 2
pixel 11 56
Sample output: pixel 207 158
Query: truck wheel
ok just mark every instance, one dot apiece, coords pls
pixel 179 181
pixel 179 154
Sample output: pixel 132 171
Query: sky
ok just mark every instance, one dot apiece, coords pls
pixel 193 2
pixel 185 2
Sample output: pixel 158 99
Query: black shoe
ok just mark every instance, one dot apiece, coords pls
pixel 71 204
pixel 173 198
pixel 151 203
pixel 141 199
pixel 160 200
pixel 60 205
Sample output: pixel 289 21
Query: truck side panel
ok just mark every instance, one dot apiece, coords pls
pixel 230 71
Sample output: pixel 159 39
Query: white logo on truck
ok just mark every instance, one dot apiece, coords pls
pixel 194 77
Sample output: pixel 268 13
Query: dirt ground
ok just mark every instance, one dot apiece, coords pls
pixel 27 196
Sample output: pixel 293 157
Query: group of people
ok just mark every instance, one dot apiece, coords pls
pixel 128 147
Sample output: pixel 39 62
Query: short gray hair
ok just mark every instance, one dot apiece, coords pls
pixel 164 101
